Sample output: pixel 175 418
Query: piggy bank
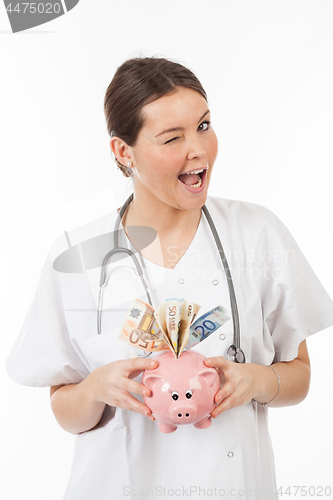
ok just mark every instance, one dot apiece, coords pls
pixel 182 391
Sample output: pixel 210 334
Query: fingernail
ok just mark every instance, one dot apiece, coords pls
pixel 152 363
pixel 219 398
pixel 146 392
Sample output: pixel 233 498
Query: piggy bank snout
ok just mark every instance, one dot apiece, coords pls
pixel 184 412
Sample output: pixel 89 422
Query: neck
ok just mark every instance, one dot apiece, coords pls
pixel 162 217
pixel 175 228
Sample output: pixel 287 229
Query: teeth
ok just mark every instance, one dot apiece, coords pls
pixel 197 185
pixel 195 172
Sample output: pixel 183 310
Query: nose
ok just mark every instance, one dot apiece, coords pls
pixel 184 414
pixel 196 149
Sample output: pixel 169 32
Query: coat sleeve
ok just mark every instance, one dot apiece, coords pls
pixel 43 354
pixel 295 303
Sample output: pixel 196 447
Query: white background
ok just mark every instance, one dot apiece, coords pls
pixel 267 69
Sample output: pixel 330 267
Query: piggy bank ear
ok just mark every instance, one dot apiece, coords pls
pixel 151 379
pixel 209 375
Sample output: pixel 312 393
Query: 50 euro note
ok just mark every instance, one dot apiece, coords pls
pixel 141 329
pixel 189 312
pixel 173 312
pixel 175 317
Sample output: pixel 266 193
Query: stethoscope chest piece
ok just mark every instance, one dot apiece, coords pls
pixel 235 354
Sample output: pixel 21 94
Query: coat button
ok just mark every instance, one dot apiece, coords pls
pixel 215 282
pixel 181 281
pixel 230 454
pixel 222 336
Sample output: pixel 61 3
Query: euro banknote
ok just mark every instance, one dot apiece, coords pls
pixel 207 324
pixel 173 325
pixel 175 317
pixel 141 329
pixel 173 312
pixel 189 312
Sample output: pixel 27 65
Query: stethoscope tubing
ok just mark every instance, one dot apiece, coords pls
pixel 234 352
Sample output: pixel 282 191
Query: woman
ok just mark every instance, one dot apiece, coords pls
pixel 159 122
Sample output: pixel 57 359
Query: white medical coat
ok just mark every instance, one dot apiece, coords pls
pixel 281 302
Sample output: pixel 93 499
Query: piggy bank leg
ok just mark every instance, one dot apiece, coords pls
pixel 166 428
pixel 204 423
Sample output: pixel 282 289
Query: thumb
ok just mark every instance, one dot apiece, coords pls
pixel 217 362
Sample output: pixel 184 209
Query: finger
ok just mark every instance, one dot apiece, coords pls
pixel 217 362
pixel 128 402
pixel 131 386
pixel 120 404
pixel 224 392
pixel 151 366
pixel 232 400
pixel 138 364
pixel 226 404
pixel 125 406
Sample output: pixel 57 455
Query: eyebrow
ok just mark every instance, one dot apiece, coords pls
pixel 175 129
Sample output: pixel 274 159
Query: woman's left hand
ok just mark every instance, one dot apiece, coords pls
pixel 238 381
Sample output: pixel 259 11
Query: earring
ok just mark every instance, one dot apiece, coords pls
pixel 129 164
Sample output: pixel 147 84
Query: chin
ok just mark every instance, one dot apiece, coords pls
pixel 195 204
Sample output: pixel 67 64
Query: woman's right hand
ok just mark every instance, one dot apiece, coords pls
pixel 112 384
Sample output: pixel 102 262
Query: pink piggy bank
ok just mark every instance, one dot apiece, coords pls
pixel 182 391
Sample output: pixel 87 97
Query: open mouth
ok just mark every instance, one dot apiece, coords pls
pixel 193 179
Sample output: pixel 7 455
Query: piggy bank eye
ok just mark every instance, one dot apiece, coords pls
pixel 175 395
pixel 188 393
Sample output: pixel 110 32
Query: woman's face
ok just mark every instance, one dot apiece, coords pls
pixel 175 151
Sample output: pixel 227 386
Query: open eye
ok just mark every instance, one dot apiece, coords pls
pixel 204 126
pixel 175 395
pixel 188 393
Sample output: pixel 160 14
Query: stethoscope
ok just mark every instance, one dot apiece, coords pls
pixel 234 352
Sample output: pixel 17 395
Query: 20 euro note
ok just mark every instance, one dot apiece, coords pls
pixel 141 329
pixel 207 324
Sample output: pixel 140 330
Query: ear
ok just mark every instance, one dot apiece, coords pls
pixel 151 379
pixel 209 375
pixel 121 151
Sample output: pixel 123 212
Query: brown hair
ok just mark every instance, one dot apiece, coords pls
pixel 138 82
